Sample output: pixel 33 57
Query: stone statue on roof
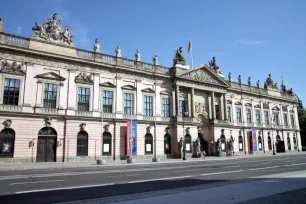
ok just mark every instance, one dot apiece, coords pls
pixel 1 24
pixel 179 57
pixel 118 51
pixel 96 46
pixel 269 84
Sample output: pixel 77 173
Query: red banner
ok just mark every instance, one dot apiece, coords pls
pixel 128 133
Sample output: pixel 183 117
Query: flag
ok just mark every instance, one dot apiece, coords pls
pixel 189 47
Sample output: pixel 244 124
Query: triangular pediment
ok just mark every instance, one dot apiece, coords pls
pixel 129 87
pixel 148 90
pixel 50 76
pixel 203 74
pixel 108 84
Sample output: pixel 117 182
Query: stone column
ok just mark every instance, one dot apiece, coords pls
pixel 262 115
pixel 189 105
pixel 213 105
pixel 233 109
pixel 173 108
pixel 157 106
pixel 177 94
pixel 296 118
pixel 39 93
pixel 119 96
pixel 71 96
pixel 192 103
pixel 224 107
pixel 288 117
pixel 253 118
pixel 281 119
pixel 139 100
pixel 96 92
pixel 209 108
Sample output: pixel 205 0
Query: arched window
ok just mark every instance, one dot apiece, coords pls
pixel 82 143
pixel 259 143
pixel 7 142
pixel 269 143
pixel 167 144
pixel 288 142
pixel 294 142
pixel 107 143
pixel 148 143
pixel 240 143
pixel 223 143
pixel 188 143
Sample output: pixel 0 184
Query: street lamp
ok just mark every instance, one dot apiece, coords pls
pixel 272 122
pixel 184 142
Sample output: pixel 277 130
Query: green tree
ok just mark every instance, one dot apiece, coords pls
pixel 302 122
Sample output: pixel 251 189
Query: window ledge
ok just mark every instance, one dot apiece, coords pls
pixel 47 110
pixel 10 108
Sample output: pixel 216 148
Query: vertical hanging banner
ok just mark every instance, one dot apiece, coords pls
pixel 254 140
pixel 134 136
pixel 128 133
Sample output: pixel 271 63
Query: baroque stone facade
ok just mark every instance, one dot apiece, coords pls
pixel 61 103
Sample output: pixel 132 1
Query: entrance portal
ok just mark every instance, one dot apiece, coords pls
pixel 46 145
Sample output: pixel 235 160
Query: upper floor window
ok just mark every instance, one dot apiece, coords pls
pixel 50 91
pixel 258 116
pixel 83 99
pixel 266 117
pixel 11 91
pixel 238 115
pixel 148 106
pixel 292 120
pixel 107 101
pixel 217 112
pixel 165 107
pixel 182 108
pixel 285 119
pixel 275 119
pixel 229 115
pixel 249 116
pixel 129 103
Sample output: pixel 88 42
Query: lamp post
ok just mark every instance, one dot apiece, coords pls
pixel 272 122
pixel 184 142
pixel 101 161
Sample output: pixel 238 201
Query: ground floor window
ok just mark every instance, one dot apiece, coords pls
pixel 259 143
pixel 167 144
pixel 7 142
pixel 188 143
pixel 148 143
pixel 240 143
pixel 82 143
pixel 107 143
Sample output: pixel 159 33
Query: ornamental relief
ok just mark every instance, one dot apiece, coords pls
pixel 201 75
pixel 200 108
pixel 12 68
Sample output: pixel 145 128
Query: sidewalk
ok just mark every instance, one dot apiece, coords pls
pixel 28 166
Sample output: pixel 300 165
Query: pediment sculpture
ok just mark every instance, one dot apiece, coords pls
pixel 201 75
pixel 83 78
pixel 270 84
pixel 11 68
pixel 179 57
pixel 51 30
pixel 213 65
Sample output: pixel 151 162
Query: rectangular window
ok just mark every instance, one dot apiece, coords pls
pixel 83 99
pixel 182 108
pixel 238 115
pixel 249 116
pixel 258 116
pixel 229 115
pixel 148 106
pixel 275 120
pixel 285 119
pixel 11 91
pixel 217 112
pixel 50 91
pixel 292 120
pixel 107 101
pixel 129 103
pixel 165 107
pixel 266 117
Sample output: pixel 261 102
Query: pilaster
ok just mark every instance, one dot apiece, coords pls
pixel 213 105
pixel 192 103
pixel 96 94
pixel 157 104
pixel 39 94
pixel 139 100
pixel 119 97
pixel 71 95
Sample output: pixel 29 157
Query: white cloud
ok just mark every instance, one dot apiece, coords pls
pixel 248 42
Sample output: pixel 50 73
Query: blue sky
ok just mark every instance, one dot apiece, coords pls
pixel 251 38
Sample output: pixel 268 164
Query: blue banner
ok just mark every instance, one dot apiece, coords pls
pixel 255 140
pixel 134 135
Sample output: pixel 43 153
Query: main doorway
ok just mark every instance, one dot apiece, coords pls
pixel 46 145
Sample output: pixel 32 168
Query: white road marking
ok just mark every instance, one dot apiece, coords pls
pixel 160 179
pixel 36 182
pixel 224 172
pixel 134 175
pixel 270 167
pixel 263 163
pixel 230 166
pixel 295 164
pixel 13 177
pixel 64 188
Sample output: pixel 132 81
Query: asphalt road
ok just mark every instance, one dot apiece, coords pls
pixel 69 184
